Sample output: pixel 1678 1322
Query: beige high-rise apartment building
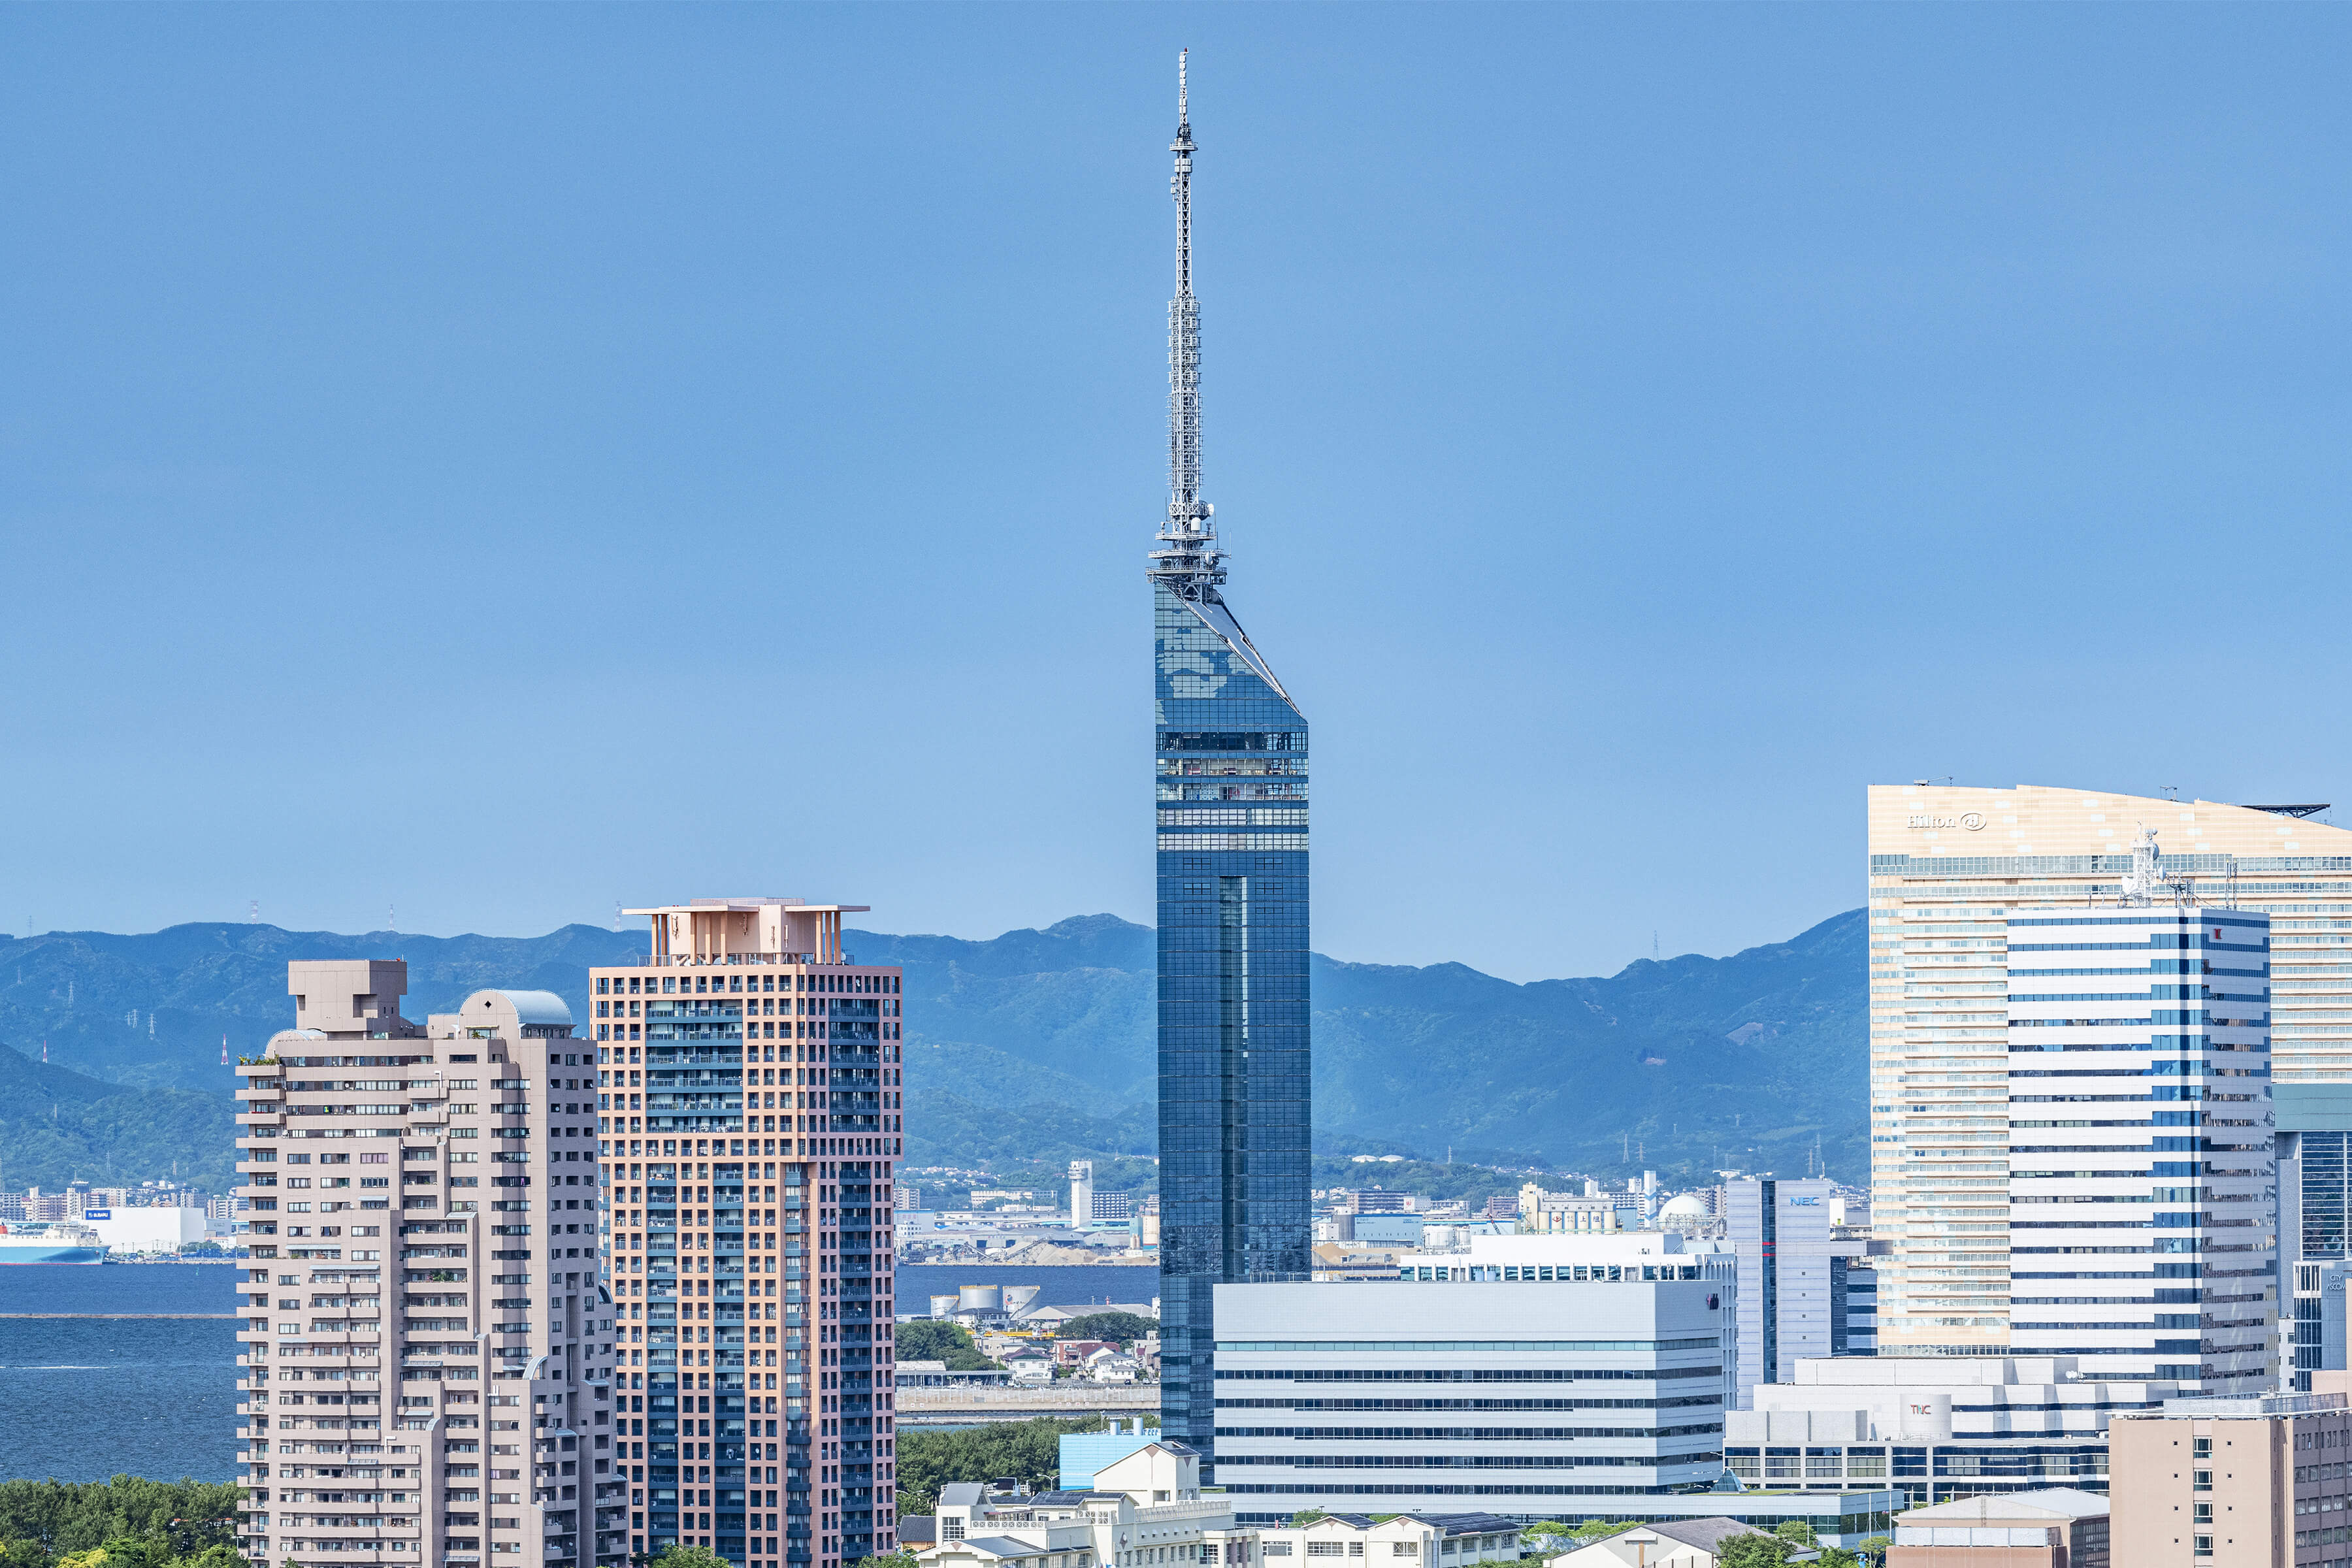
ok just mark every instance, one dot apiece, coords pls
pixel 753 1126
pixel 1949 865
pixel 2232 1483
pixel 427 1349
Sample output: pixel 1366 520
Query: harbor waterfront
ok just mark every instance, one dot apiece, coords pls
pixel 132 1370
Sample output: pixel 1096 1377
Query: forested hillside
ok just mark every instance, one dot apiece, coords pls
pixel 1036 1045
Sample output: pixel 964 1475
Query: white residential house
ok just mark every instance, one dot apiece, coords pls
pixel 1403 1540
pixel 1677 1543
pixel 1109 1366
pixel 1029 1365
pixel 1144 1511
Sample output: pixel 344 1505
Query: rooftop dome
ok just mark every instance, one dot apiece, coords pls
pixel 1684 1207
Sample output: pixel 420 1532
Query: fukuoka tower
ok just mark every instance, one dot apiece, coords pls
pixel 1230 798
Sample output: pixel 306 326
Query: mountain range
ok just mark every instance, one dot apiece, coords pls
pixel 1033 1046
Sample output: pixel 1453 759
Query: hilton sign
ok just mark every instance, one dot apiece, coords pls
pixel 1969 821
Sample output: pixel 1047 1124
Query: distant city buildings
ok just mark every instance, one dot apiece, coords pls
pixel 78 1199
pixel 1548 1213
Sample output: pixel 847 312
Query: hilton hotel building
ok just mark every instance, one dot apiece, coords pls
pixel 749 1111
pixel 425 1354
pixel 1948 867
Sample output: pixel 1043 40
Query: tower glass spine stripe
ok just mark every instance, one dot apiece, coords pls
pixel 1230 807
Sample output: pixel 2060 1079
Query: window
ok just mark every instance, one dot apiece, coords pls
pixel 1278 1548
pixel 1325 1549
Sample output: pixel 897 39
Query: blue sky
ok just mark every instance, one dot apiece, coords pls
pixel 493 462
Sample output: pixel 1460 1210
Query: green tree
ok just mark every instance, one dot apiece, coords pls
pixel 676 1556
pixel 934 1341
pixel 1306 1516
pixel 1874 1548
pixel 1029 1451
pixel 1120 1328
pixel 1549 1537
pixel 1796 1534
pixel 902 1558
pixel 1753 1551
pixel 1837 1557
pixel 137 1522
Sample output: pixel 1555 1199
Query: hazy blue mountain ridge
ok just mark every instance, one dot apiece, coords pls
pixel 1039 1044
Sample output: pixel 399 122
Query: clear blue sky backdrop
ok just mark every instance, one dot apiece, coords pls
pixel 499 461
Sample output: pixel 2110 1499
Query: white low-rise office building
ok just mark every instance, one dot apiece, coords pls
pixel 1145 1510
pixel 1394 1541
pixel 1935 1427
pixel 1469 1396
pixel 1499 1390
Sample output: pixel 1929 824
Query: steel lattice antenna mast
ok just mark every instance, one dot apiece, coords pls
pixel 1188 560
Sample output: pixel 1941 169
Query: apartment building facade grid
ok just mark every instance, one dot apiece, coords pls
pixel 1947 866
pixel 2260 1481
pixel 750 1116
pixel 426 1349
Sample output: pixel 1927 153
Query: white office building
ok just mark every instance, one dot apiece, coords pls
pixel 1516 1383
pixel 1948 865
pixel 1793 1273
pixel 1466 1396
pixel 2142 1185
pixel 1535 1389
pixel 1935 1427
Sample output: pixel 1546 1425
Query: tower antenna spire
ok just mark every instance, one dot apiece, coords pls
pixel 1187 559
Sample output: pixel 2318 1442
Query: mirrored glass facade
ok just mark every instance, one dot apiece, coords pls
pixel 1231 786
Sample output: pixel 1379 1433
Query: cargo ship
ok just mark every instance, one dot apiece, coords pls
pixel 25 1243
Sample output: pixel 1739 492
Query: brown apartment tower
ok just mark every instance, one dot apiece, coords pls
pixel 426 1351
pixel 750 1118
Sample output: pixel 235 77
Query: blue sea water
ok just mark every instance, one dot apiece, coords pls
pixel 82 1399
